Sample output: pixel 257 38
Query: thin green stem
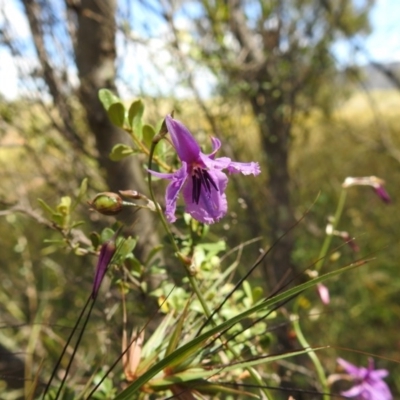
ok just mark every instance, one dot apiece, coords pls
pixel 314 358
pixel 321 259
pixel 192 279
pixel 328 237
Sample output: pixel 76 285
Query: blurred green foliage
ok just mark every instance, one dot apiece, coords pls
pixel 46 274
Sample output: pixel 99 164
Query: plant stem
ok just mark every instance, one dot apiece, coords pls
pixel 192 279
pixel 296 322
pixel 314 358
pixel 328 237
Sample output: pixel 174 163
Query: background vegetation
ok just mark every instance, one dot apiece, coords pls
pixel 284 104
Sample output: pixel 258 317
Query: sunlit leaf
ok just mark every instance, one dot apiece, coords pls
pixel 135 115
pixel 116 113
pixel 107 98
pixel 120 151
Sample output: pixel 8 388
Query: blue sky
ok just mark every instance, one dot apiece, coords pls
pixel 383 45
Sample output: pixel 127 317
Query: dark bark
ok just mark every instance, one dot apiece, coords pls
pixel 12 369
pixel 275 134
pixel 95 53
pixel 95 28
pixel 274 128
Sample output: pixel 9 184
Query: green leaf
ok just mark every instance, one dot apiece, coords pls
pixel 107 98
pixel 116 113
pixel 148 134
pixel 95 239
pixel 81 193
pixel 120 151
pixel 257 293
pixel 64 206
pixel 82 189
pixel 135 115
pixel 187 349
pixel 199 373
pixel 106 234
pixel 153 252
pixel 176 334
pixel 45 207
pixel 125 248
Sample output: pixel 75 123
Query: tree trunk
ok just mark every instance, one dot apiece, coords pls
pixel 275 135
pixel 95 53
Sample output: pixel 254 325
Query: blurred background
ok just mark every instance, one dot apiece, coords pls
pixel 309 89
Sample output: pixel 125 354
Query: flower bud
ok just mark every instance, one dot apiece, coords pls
pixel 376 183
pixel 107 252
pixel 107 203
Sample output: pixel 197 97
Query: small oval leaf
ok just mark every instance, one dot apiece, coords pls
pixel 107 98
pixel 148 134
pixel 116 113
pixel 120 151
pixel 135 115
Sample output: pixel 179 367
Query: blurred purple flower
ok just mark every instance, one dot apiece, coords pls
pixel 323 292
pixel 368 382
pixel 376 183
pixel 200 178
pixel 107 252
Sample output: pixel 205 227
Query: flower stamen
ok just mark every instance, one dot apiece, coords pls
pixel 201 177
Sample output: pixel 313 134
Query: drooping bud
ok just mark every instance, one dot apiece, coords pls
pixel 376 183
pixel 107 203
pixel 107 252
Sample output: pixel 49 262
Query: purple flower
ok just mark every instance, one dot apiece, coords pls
pixel 200 178
pixel 107 252
pixel 377 185
pixel 368 382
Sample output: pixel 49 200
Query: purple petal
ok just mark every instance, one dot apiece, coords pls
pixel 212 205
pixel 216 145
pixel 351 369
pixel 376 391
pixel 162 175
pixel 353 392
pixel 382 193
pixel 378 374
pixel 186 146
pixel 219 163
pixel 244 168
pixel 171 195
pixel 107 252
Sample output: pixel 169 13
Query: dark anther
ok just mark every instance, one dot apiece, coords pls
pixel 201 177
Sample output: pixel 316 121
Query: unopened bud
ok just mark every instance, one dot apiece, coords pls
pixel 163 131
pixel 107 252
pixel 107 203
pixel 376 183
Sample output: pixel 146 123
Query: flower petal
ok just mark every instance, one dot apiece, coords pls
pixel 377 391
pixel 244 168
pixel 216 145
pixel 212 205
pixel 162 175
pixel 178 179
pixel 353 392
pixel 378 374
pixel 350 368
pixel 186 146
pixel 382 193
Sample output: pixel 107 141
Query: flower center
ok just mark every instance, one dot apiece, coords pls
pixel 201 178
